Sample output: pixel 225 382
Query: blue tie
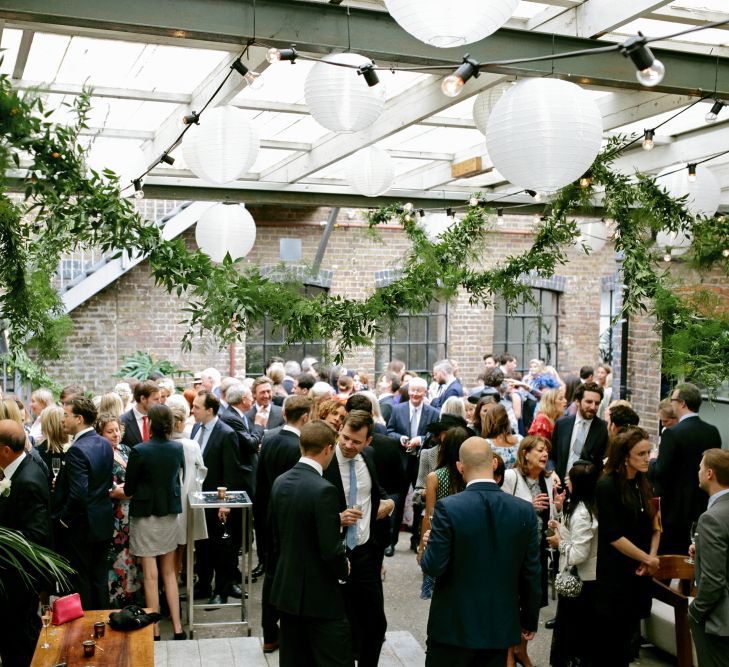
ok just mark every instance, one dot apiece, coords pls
pixel 352 530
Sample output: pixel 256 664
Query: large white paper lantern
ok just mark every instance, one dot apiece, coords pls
pixel 223 147
pixel 436 224
pixel 485 102
pixel 123 158
pixel 593 234
pixel 678 242
pixel 225 228
pixel 339 98
pixel 453 22
pixel 544 134
pixel 371 171
pixel 703 193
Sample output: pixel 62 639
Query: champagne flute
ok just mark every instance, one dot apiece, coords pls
pixel 56 466
pixel 200 474
pixel 224 522
pixel 694 530
pixel 46 621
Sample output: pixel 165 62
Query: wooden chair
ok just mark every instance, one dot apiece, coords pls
pixel 676 568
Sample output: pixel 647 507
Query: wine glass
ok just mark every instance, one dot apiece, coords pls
pixel 46 621
pixel 56 466
pixel 200 474
pixel 224 523
pixel 694 530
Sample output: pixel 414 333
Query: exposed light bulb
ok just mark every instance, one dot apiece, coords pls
pixel 713 114
pixel 692 172
pixel 667 257
pixel 586 181
pixel 473 201
pixel 408 208
pixel 648 142
pixel 452 85
pixel 650 70
pixel 653 75
pixel 725 252
pixel 273 55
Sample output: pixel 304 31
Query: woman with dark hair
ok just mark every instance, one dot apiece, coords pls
pixel 484 404
pixel 571 382
pixel 444 481
pixel 153 482
pixel 628 537
pixel 573 640
pixel 496 429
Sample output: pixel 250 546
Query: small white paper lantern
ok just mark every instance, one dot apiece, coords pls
pixel 124 159
pixel 678 242
pixel 484 104
pixel 223 147
pixel 371 171
pixel 544 134
pixel 703 194
pixel 339 98
pixel 452 23
pixel 225 228
pixel 435 224
pixel 593 235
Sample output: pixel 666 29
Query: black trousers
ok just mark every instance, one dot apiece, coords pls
pixel 445 655
pixel 314 642
pixel 217 555
pixel 89 559
pixel 19 623
pixel 269 613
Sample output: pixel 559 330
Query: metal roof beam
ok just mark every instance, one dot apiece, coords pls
pixel 103 91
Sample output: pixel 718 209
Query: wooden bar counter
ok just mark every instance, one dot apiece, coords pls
pixel 120 649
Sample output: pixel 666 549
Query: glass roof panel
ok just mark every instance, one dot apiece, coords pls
pixel 282 82
pixel 46 56
pixel 10 42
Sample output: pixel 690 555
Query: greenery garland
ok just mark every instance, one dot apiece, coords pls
pixel 65 206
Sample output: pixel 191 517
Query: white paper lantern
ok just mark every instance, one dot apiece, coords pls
pixel 703 194
pixel 339 98
pixel 452 23
pixel 223 147
pixel 678 242
pixel 484 104
pixel 371 171
pixel 435 224
pixel 593 235
pixel 225 228
pixel 544 134
pixel 124 159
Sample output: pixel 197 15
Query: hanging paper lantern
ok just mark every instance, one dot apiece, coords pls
pixel 339 98
pixel 484 104
pixel 593 235
pixel 223 147
pixel 435 224
pixel 678 242
pixel 125 159
pixel 453 23
pixel 703 193
pixel 544 134
pixel 371 171
pixel 225 228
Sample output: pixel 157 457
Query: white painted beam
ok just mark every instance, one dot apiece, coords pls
pixel 26 41
pixel 103 91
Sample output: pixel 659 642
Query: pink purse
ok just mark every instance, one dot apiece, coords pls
pixel 67 609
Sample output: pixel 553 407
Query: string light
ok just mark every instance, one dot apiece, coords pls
pixel 274 55
pixel 167 159
pixel 369 74
pixel 667 257
pixel 691 172
pixel 499 216
pixel 586 180
pixel 650 70
pixel 648 142
pixel 191 119
pixel 453 84
pixel 725 252
pixel 450 213
pixel 251 78
pixel 138 192
pixel 713 114
pixel 408 208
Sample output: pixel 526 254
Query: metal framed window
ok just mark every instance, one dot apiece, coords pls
pixel 417 339
pixel 608 310
pixel 532 332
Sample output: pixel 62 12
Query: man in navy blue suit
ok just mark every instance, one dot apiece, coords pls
pixel 448 384
pixel 474 618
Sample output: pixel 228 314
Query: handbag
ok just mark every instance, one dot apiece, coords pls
pixel 67 609
pixel 568 583
pixel 132 617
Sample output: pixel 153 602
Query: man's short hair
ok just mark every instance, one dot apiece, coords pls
pixel 689 394
pixel 315 436
pixel 718 461
pixel 237 393
pixel 213 374
pixel 493 377
pixel 145 390
pixel 622 415
pixel 264 379
pixel 445 365
pixel 359 419
pixel 12 435
pixel 488 355
pixel 305 380
pixel 71 390
pixel 211 400
pixel 586 372
pixel 358 402
pixel 393 380
pixel 295 407
pixel 84 408
pixel 506 358
pixel 418 382
pixel 396 366
pixel 585 387
pixel 292 368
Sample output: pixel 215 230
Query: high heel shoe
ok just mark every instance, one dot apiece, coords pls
pixel 156 638
pixel 180 635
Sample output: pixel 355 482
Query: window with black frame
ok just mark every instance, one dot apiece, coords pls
pixel 531 331
pixel 608 311
pixel 418 340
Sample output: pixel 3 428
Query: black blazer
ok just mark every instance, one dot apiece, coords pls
pixel 387 463
pixel 275 416
pixel 593 450
pixel 81 499
pixel 386 406
pixel 399 422
pixel 249 440
pixel 153 478
pixel 221 458
pixel 27 508
pixel 132 435
pixel 307 552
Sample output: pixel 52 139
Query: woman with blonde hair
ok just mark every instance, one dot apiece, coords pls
pixel 56 442
pixel 332 412
pixel 551 408
pixel 111 404
pixel 40 399
pixel 454 406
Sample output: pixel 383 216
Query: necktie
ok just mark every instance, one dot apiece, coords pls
pixel 145 428
pixel 2 474
pixel 580 437
pixel 201 437
pixel 247 425
pixel 352 530
pixel 414 424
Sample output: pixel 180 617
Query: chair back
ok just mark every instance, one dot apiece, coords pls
pixel 676 567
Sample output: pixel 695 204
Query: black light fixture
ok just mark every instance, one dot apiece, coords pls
pixel 368 72
pixel 421 212
pixel 138 192
pixel 191 119
pixel 692 171
pixel 274 55
pixel 167 159
pixel 650 70
pixel 450 213
pixel 453 83
pixel 648 142
pixel 250 77
pixel 715 111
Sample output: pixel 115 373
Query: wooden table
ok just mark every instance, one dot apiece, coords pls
pixel 121 649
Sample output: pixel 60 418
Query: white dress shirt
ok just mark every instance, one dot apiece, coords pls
pixel 364 492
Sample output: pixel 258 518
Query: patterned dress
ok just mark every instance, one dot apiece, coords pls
pixel 126 581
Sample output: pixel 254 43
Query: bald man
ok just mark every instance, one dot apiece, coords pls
pixel 474 619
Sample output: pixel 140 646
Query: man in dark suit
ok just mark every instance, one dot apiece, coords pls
pixel 583 436
pixel 280 452
pixel 709 611
pixel 673 473
pixel 262 395
pixel 449 385
pixel 24 507
pixel 473 619
pixel 83 516
pixel 387 387
pixel 219 445
pixel 409 424
pixel 364 509
pixel 136 421
pixel 308 558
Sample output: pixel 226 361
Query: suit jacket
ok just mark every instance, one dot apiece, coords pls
pixel 399 422
pixel 593 450
pixel 275 416
pixel 483 525
pixel 81 499
pixel 27 508
pixel 386 406
pixel 673 475
pixel 153 478
pixel 379 531
pixel 132 435
pixel 387 463
pixel 249 436
pixel 307 552
pixel 711 604
pixel 454 389
pixel 221 457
